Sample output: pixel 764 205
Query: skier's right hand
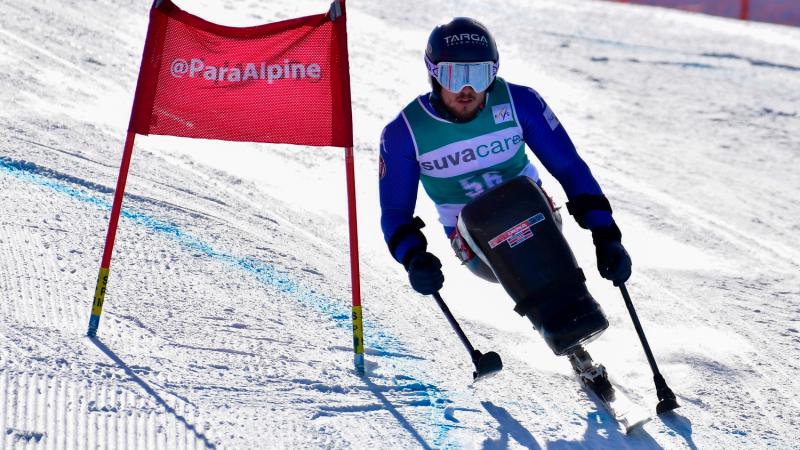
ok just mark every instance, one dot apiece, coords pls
pixel 425 273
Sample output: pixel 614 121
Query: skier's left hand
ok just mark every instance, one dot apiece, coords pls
pixel 613 261
pixel 425 273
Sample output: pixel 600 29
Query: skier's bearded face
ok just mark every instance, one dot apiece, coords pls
pixel 465 104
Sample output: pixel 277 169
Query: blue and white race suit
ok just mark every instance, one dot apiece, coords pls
pixel 457 160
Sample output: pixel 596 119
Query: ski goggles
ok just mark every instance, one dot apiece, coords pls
pixel 455 76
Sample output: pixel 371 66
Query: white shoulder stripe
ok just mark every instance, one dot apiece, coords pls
pixel 513 106
pixel 422 105
pixel 411 132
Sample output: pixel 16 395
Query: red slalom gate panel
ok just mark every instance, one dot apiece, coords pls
pixel 283 82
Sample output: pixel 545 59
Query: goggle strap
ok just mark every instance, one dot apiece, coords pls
pixel 433 69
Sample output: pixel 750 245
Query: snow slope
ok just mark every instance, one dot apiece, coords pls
pixel 786 12
pixel 226 323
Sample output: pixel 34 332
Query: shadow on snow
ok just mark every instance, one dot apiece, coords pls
pixel 150 391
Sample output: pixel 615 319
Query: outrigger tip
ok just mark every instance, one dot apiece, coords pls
pixel 487 364
pixel 666 402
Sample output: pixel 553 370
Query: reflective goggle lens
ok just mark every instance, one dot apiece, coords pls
pixel 454 76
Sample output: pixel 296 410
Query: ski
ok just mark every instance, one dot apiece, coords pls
pixel 594 378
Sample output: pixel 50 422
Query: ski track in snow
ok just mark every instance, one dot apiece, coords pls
pixel 227 320
pixel 381 344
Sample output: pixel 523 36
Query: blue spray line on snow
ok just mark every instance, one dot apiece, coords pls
pixel 266 273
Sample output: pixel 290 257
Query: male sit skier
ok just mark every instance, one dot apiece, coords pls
pixel 467 136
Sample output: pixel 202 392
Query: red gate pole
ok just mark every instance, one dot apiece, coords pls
pixel 338 10
pixel 744 14
pixel 358 327
pixel 113 221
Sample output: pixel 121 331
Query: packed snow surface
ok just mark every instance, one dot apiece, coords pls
pixel 227 318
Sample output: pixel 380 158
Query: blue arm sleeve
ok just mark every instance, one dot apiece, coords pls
pixel 550 143
pixel 399 180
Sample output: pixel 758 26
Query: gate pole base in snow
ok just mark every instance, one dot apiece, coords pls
pixel 358 326
pixel 113 221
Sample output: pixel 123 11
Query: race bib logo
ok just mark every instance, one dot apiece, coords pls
pixel 502 113
pixel 470 155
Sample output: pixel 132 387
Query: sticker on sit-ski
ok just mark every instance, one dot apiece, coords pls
pixel 517 234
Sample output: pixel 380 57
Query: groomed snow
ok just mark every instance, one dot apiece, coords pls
pixel 226 322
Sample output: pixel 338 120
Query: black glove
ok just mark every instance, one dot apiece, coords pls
pixel 425 273
pixel 613 261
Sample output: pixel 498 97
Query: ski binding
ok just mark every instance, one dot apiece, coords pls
pixel 595 379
